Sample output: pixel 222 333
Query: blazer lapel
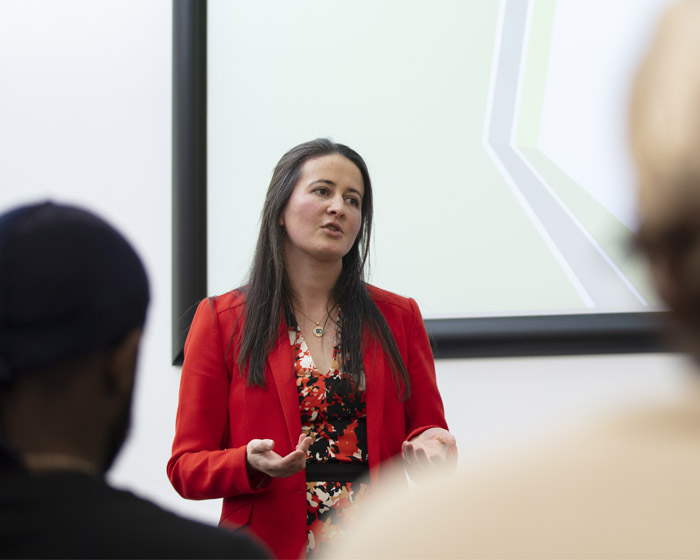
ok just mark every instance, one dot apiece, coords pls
pixel 281 362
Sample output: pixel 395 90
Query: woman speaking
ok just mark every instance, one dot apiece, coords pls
pixel 297 385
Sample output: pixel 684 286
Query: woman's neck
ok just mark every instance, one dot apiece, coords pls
pixel 312 284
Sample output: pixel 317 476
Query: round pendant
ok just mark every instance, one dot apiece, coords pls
pixel 318 331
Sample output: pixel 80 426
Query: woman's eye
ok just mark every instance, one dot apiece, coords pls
pixel 354 202
pixel 321 190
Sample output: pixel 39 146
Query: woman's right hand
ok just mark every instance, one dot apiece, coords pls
pixel 262 458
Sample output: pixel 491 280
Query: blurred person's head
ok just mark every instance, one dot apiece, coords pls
pixel 665 141
pixel 73 299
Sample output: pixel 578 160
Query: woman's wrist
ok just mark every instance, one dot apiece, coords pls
pixel 255 477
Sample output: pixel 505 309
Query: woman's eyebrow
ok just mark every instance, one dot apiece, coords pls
pixel 333 184
pixel 324 181
pixel 356 191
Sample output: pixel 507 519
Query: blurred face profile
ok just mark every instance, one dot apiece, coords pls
pixel 665 140
pixel 117 434
pixel 122 389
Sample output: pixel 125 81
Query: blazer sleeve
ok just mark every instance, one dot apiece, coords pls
pixel 201 467
pixel 424 408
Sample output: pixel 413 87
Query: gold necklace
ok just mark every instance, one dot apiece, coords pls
pixel 319 331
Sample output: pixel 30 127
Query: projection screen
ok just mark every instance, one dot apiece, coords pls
pixel 495 134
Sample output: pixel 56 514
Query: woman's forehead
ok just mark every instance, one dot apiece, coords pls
pixel 334 169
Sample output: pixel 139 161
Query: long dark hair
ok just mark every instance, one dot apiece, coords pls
pixel 268 294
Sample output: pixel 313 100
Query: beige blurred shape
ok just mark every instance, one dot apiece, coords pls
pixel 627 486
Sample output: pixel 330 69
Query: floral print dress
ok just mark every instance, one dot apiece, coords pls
pixel 337 422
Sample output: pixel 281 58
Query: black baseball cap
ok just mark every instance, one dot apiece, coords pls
pixel 70 285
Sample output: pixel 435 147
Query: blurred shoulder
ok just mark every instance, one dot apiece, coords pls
pixel 634 468
pixel 39 513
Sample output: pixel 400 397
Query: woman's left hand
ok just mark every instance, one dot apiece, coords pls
pixel 435 447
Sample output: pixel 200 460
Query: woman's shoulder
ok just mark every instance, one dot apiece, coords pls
pixel 232 301
pixel 385 299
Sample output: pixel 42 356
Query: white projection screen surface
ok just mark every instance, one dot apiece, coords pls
pixel 494 132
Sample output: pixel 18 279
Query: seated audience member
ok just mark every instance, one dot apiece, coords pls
pixel 628 487
pixel 73 298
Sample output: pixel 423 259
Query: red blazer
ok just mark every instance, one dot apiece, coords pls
pixel 218 415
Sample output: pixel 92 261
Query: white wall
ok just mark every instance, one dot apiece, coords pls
pixel 85 112
pixel 85 108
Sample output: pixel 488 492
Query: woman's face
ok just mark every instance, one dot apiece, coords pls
pixel 324 213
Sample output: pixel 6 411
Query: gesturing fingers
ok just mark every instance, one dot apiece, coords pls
pixel 414 455
pixel 304 443
pixel 262 458
pixel 430 450
pixel 260 445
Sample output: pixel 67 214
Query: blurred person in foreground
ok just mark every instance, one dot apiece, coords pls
pixel 628 487
pixel 73 299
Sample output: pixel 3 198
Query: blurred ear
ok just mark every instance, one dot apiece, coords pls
pixel 121 363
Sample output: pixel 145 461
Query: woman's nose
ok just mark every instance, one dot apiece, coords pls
pixel 336 206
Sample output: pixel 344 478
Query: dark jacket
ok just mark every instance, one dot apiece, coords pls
pixel 65 514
